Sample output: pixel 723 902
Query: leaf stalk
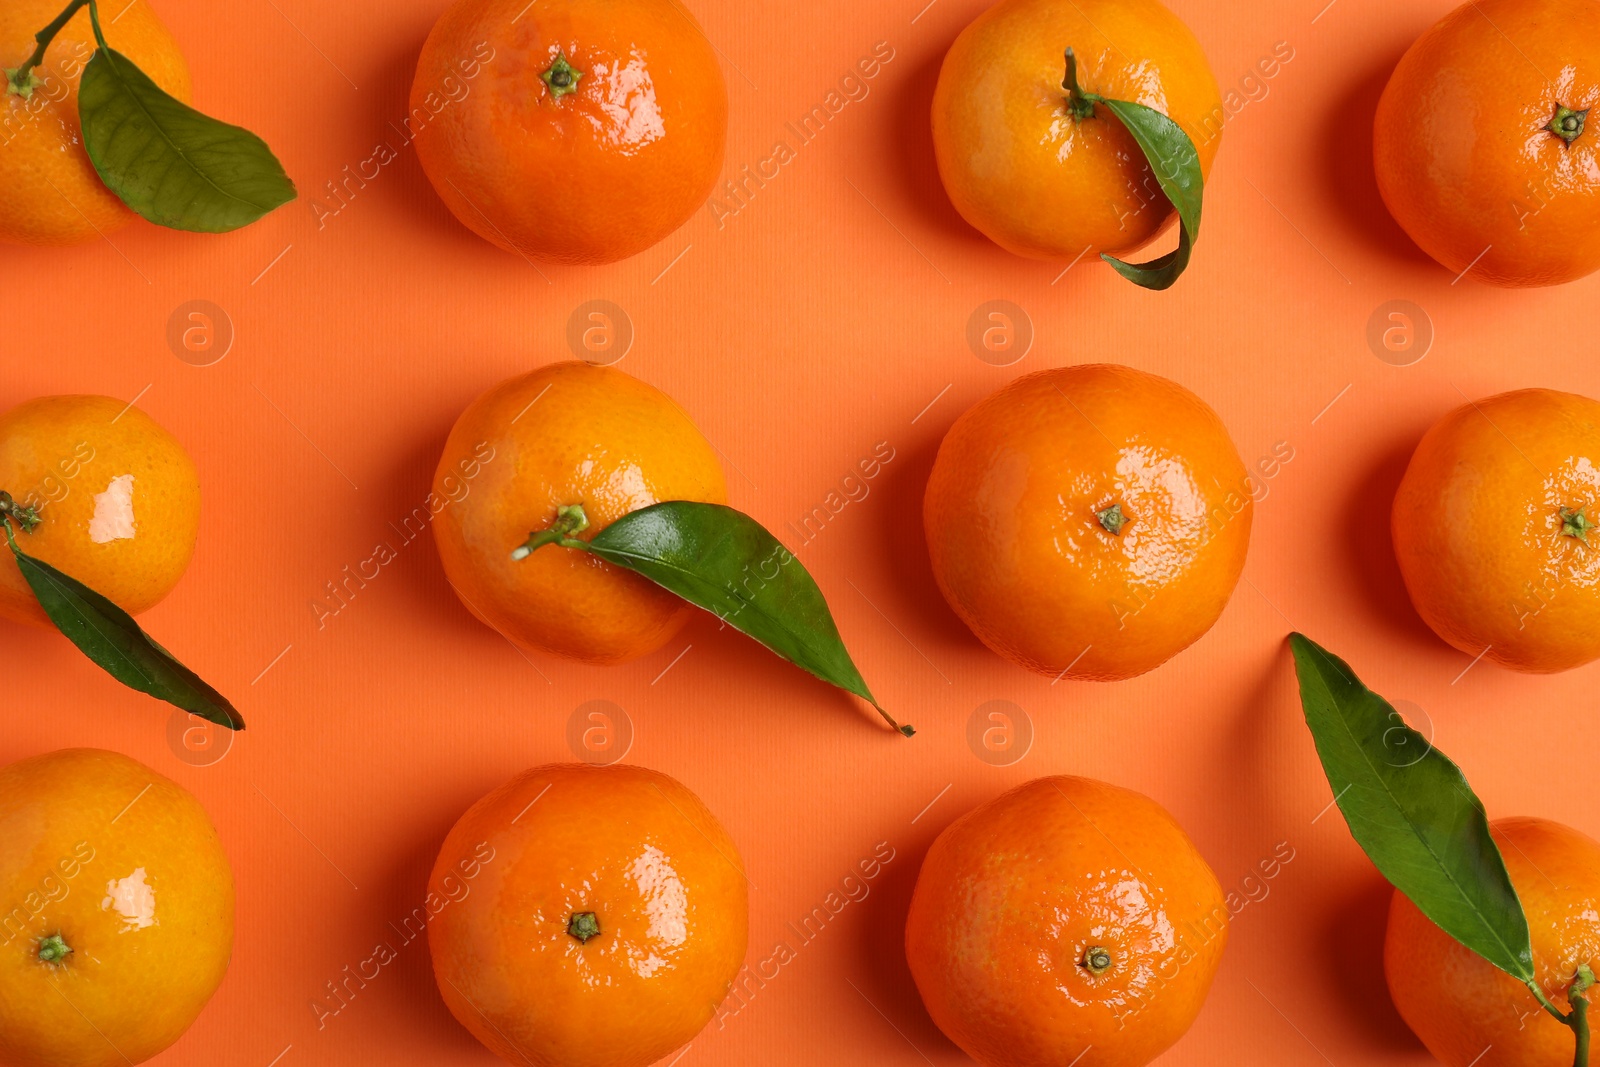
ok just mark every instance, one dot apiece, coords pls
pixel 20 80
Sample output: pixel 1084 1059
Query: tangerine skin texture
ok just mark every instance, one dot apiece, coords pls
pixel 117 496
pixel 1013 894
pixel 568 433
pixel 598 174
pixel 1017 548
pixel 1458 1003
pixel 1477 529
pixel 1015 163
pixel 1463 159
pixel 125 865
pixel 52 194
pixel 634 847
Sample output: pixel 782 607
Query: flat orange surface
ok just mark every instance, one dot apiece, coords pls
pixel 818 319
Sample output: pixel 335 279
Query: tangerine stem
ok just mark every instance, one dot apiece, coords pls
pixel 53 949
pixel 1079 103
pixel 20 80
pixel 1568 124
pixel 570 519
pixel 1578 1018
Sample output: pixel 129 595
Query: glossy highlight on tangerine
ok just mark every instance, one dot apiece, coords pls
pixel 1467 1011
pixel 117 497
pixel 52 194
pixel 572 131
pixel 1065 915
pixel 120 925
pixel 1088 522
pixel 589 917
pixel 1015 162
pixel 1491 529
pixel 567 433
pixel 1466 157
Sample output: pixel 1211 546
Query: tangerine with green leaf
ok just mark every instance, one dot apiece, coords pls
pixel 1049 170
pixel 1466 1010
pixel 53 196
pixel 567 434
pixel 101 491
pixel 120 920
pixel 1491 527
pixel 591 917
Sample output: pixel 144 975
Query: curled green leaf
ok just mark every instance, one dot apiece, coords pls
pixel 1174 161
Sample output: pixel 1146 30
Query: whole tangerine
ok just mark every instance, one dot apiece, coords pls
pixel 1021 167
pixel 120 920
pixel 1485 149
pixel 1466 1010
pixel 52 194
pixel 588 130
pixel 1088 522
pixel 1491 529
pixel 117 497
pixel 1064 916
pixel 596 917
pixel 566 434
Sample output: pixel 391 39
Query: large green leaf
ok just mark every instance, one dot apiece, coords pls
pixel 1176 165
pixel 1417 819
pixel 724 561
pixel 109 636
pixel 167 161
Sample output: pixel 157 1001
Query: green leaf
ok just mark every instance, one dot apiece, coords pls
pixel 1176 164
pixel 1416 818
pixel 167 161
pixel 109 636
pixel 723 561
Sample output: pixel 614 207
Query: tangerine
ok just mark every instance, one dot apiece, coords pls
pixel 1485 150
pixel 53 195
pixel 567 433
pixel 1491 529
pixel 596 917
pixel 119 921
pixel 1088 522
pixel 1466 1010
pixel 592 130
pixel 117 498
pixel 1021 167
pixel 1063 916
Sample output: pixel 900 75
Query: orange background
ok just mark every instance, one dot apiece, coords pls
pixel 827 315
